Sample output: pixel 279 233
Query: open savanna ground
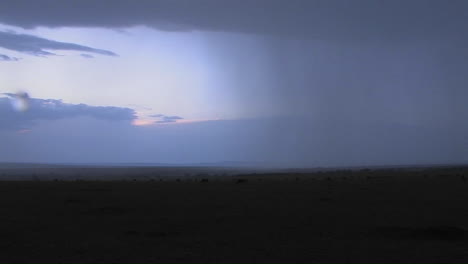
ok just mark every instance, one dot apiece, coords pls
pixel 392 215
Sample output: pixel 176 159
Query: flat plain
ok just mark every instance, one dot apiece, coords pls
pixel 148 215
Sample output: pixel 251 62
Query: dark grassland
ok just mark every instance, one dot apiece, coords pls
pixel 398 215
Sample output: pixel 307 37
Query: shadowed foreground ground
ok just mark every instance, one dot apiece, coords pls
pixel 329 217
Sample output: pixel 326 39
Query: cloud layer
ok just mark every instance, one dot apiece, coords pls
pixel 50 109
pixel 7 58
pixel 40 46
pixel 163 119
pixel 333 144
pixel 320 19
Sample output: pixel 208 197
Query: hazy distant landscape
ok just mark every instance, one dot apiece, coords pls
pixel 151 172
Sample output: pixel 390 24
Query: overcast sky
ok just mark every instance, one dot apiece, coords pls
pixel 284 83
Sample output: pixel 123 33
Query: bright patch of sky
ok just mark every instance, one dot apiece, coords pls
pixel 173 73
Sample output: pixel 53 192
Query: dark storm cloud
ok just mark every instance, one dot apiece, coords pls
pixel 50 109
pixel 348 82
pixel 166 119
pixel 39 46
pixel 320 19
pixel 7 58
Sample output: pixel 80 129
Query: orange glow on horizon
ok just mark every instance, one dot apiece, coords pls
pixel 148 122
pixel 23 131
pixel 142 122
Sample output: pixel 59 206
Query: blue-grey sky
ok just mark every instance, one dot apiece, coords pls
pixel 286 83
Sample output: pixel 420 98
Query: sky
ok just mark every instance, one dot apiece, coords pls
pixel 300 83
